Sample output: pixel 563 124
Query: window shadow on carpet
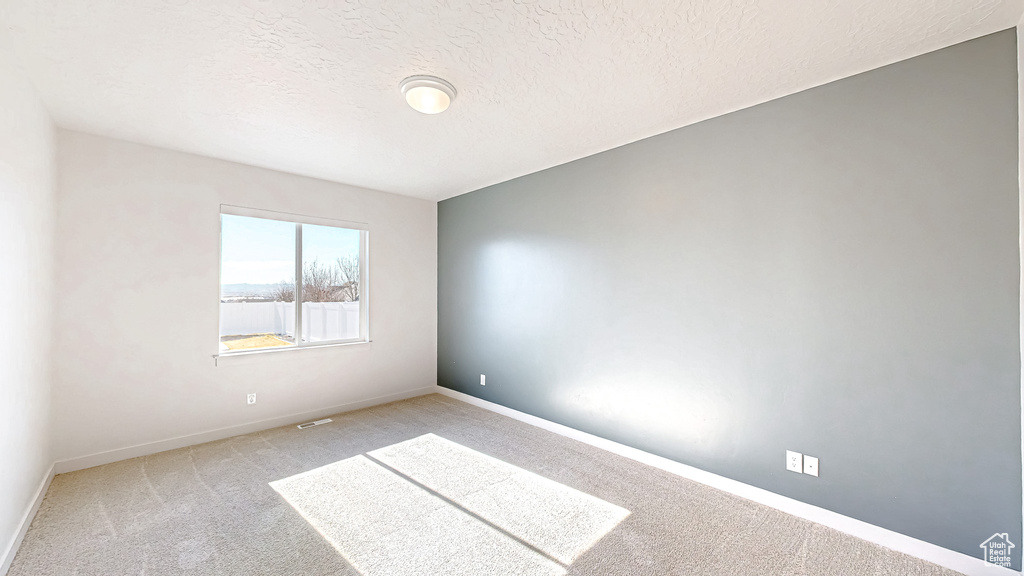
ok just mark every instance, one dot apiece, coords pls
pixel 431 506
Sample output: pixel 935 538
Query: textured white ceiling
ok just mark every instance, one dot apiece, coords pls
pixel 311 87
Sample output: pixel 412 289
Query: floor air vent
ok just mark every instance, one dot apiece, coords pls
pixel 317 423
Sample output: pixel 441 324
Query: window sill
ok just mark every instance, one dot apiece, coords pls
pixel 232 357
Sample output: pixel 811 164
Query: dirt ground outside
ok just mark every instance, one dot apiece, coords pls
pixel 252 341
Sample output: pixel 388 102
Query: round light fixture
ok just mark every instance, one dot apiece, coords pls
pixel 428 94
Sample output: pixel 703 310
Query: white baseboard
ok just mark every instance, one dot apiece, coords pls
pixel 892 540
pixel 100 458
pixel 12 547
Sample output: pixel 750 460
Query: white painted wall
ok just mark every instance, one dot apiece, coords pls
pixel 137 310
pixel 27 150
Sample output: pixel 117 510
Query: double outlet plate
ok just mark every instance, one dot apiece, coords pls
pixel 801 463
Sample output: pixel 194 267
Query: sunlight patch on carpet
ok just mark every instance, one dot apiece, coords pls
pixel 383 524
pixel 559 520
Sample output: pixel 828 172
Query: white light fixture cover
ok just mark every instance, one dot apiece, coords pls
pixel 428 94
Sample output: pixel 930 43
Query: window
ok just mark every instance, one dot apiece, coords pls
pixel 290 281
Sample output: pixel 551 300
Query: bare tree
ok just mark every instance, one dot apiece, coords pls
pixel 320 282
pixel 283 292
pixel 348 273
pixel 323 283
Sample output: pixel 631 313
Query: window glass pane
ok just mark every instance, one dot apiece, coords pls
pixel 257 291
pixel 330 283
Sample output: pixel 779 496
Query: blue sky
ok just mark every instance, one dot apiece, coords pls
pixel 260 251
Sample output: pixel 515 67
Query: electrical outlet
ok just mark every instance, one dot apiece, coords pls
pixel 811 465
pixel 794 461
pixel 250 398
pixel 483 380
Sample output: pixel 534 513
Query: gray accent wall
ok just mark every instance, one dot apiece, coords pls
pixel 835 272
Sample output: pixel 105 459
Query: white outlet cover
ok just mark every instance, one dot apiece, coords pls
pixel 483 380
pixel 810 465
pixel 794 461
pixel 250 398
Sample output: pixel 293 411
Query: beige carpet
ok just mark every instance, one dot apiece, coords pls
pixel 426 486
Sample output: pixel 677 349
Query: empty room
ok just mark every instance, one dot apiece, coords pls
pixel 523 287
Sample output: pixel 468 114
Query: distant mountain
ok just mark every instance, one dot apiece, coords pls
pixel 247 289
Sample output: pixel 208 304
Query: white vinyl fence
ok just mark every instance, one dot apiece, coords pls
pixel 320 320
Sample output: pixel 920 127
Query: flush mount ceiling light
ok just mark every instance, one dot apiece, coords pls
pixel 428 94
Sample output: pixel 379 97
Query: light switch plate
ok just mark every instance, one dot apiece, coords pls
pixel 810 465
pixel 794 461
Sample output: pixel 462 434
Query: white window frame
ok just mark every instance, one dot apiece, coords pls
pixel 299 220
